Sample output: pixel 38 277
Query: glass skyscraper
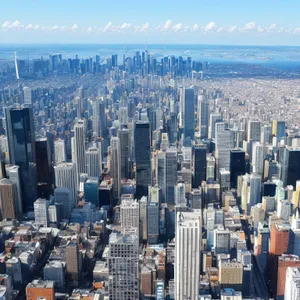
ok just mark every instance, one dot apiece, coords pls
pixel 21 146
pixel 188 113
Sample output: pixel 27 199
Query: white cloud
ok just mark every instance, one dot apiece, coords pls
pixel 211 26
pixel 296 30
pixel 260 29
pixel 178 27
pixel 37 27
pixel 220 29
pixel 75 27
pixel 273 27
pixel 108 26
pixel 15 24
pixel 232 29
pixel 125 26
pixel 249 26
pixel 145 27
pixel 89 30
pixel 29 27
pixel 195 27
pixel 55 27
pixel 5 24
pixel 167 25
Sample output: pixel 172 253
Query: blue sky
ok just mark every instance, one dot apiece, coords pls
pixel 256 22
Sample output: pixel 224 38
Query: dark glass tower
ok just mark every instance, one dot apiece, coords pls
pixel 43 168
pixel 21 147
pixel 291 166
pixel 188 113
pixel 142 158
pixel 199 165
pixel 237 166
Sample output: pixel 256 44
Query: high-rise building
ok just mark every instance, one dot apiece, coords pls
pixel 99 120
pixel 171 175
pixel 237 166
pixel 180 194
pixel 130 217
pixel 188 112
pixel 143 204
pixel 14 270
pixel 55 271
pixel 279 239
pixel 93 161
pixel 27 91
pixel 123 266
pixel 253 131
pixel 60 154
pixel 203 116
pixel 142 158
pixel 213 119
pixel 72 262
pixel 21 145
pixel 63 197
pixel 153 218
pixel 258 155
pixel 116 166
pixel 41 212
pixel 221 241
pixel 78 148
pixel 38 289
pixel 199 164
pixel 278 129
pixel 231 275
pixel 291 166
pixel 9 206
pixel 255 190
pixel 195 199
pixel 161 174
pixel 187 255
pixel 66 177
pixel 292 284
pixel 125 149
pixel 91 191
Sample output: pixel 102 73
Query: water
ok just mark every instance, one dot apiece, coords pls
pixel 278 56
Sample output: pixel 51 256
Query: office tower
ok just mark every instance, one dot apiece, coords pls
pixel 171 175
pixel 99 120
pixel 258 155
pixel 66 177
pixel 161 174
pixel 272 169
pixel 180 194
pixel 55 271
pixel 72 262
pixel 284 209
pixel 188 112
pixel 278 129
pixel 213 119
pixel 224 176
pixel 195 199
pixel 125 148
pixel 123 266
pixel 91 191
pixel 129 216
pixel 221 241
pixel 27 95
pixel 292 284
pixel 153 218
pixel 284 262
pixel 279 239
pixel 255 190
pixel 210 193
pixel 231 275
pixel 10 208
pixel 203 116
pixel 43 167
pixel 224 143
pixel 237 165
pixel 93 161
pixel 13 269
pixel 187 255
pixel 41 212
pixel 63 197
pixel 164 144
pixel 253 131
pixel 123 115
pixel 60 154
pixel 142 158
pixel 21 145
pixel 78 148
pixel 210 169
pixel 199 164
pixel 291 166
pixel 143 204
pixel 266 134
pixel 154 194
pixel 115 164
pixel 172 127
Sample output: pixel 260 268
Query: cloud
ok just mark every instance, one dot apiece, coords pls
pixel 125 26
pixel 260 29
pixel 211 26
pixel 37 27
pixel 5 24
pixel 55 27
pixel 29 27
pixel 75 27
pixel 220 29
pixel 232 29
pixel 145 27
pixel 195 27
pixel 249 26
pixel 178 27
pixel 273 27
pixel 108 26
pixel 296 30
pixel 89 30
pixel 167 25
pixel 15 24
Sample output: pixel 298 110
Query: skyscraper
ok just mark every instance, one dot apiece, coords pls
pixel 187 255
pixel 123 266
pixel 292 284
pixel 161 174
pixel 237 166
pixel 72 262
pixel 41 212
pixel 142 158
pixel 21 145
pixel 99 117
pixel 130 217
pixel 171 175
pixel 203 116
pixel 254 131
pixel 116 166
pixel 9 206
pixel 125 149
pixel 60 154
pixel 291 166
pixel 278 129
pixel 78 148
pixel 153 222
pixel 199 164
pixel 91 190
pixel 93 161
pixel 188 112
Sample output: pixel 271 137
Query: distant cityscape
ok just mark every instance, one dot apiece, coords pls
pixel 141 176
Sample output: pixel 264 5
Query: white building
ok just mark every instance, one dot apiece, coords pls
pixel 78 147
pixel 41 212
pixel 93 161
pixel 59 151
pixel 116 165
pixel 187 254
pixel 129 215
pixel 292 284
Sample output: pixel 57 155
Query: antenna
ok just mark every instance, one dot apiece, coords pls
pixel 16 66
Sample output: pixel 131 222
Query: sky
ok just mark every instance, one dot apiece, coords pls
pixel 229 22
